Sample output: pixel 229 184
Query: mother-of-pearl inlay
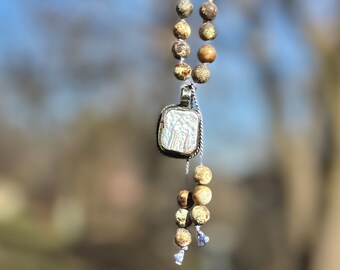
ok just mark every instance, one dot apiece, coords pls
pixel 179 130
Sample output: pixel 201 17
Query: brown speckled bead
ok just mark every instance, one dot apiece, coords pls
pixel 203 175
pixel 183 237
pixel 208 11
pixel 181 49
pixel 183 218
pixel 201 74
pixel 208 31
pixel 201 195
pixel 206 54
pixel 184 199
pixel 182 30
pixel 182 71
pixel 184 8
pixel 200 214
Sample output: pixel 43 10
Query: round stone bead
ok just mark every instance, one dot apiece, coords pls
pixel 201 74
pixel 182 30
pixel 183 218
pixel 202 195
pixel 181 49
pixel 184 199
pixel 182 237
pixel 200 214
pixel 184 8
pixel 206 54
pixel 182 71
pixel 203 175
pixel 207 31
pixel 208 11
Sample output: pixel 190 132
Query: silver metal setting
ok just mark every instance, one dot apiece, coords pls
pixel 178 132
pixel 186 96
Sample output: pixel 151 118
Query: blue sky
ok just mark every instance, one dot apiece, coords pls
pixel 234 102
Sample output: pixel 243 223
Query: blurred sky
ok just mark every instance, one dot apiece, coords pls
pixel 117 47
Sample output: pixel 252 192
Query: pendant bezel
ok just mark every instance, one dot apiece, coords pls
pixel 160 127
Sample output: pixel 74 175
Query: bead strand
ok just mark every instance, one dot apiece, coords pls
pixel 182 71
pixel 192 205
pixel 183 221
pixel 207 32
pixel 202 195
pixel 181 48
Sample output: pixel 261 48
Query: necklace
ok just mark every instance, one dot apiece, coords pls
pixel 180 127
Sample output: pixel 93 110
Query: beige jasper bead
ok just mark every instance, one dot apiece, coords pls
pixel 207 31
pixel 200 214
pixel 182 30
pixel 184 199
pixel 202 195
pixel 182 237
pixel 206 54
pixel 181 49
pixel 184 8
pixel 203 175
pixel 183 218
pixel 201 74
pixel 182 71
pixel 208 11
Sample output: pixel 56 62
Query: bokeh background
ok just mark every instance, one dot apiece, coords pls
pixel 82 185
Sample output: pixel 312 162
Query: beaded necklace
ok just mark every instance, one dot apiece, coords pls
pixel 180 127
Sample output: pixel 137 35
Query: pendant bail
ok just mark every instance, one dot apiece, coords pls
pixel 186 94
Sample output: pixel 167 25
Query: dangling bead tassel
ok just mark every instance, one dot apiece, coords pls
pixel 179 257
pixel 202 239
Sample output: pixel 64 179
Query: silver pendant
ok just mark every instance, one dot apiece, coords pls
pixel 179 128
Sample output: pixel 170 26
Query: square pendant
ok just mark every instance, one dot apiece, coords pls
pixel 178 132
